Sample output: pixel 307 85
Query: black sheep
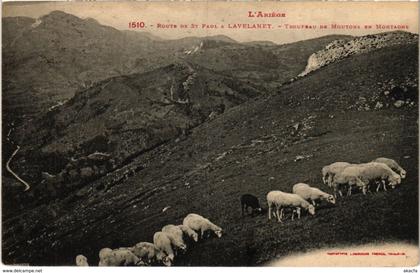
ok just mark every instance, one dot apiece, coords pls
pixel 250 201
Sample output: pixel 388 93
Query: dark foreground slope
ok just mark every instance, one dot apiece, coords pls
pixel 337 113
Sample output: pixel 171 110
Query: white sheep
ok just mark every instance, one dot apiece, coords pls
pixel 393 165
pixel 362 175
pixel 312 194
pixel 175 234
pixel 189 232
pixel 329 171
pixel 379 173
pixel 281 200
pixel 148 253
pixel 201 225
pixel 81 260
pixel 118 257
pixel 163 243
pixel 347 179
pixel 103 253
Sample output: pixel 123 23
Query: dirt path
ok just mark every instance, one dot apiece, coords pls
pixel 27 187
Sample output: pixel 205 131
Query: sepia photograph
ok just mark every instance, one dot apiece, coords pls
pixel 210 134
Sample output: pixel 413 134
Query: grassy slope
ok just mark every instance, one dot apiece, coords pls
pixel 187 177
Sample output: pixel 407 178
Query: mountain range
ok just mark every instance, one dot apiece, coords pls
pixel 50 58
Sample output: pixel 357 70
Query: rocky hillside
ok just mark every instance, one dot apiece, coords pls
pixel 269 142
pixel 340 49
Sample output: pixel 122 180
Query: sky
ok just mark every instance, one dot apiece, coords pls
pixel 228 13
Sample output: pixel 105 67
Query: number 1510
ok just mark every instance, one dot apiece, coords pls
pixel 136 25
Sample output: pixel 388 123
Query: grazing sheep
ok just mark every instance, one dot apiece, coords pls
pixel 189 232
pixel 81 260
pixel 380 173
pixel 201 225
pixel 148 253
pixel 250 201
pixel 363 175
pixel 348 179
pixel 163 244
pixel 175 234
pixel 329 171
pixel 118 257
pixel 393 165
pixel 103 253
pixel 312 194
pixel 282 200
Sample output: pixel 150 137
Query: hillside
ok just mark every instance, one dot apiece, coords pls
pixel 124 117
pixel 52 57
pixel 342 112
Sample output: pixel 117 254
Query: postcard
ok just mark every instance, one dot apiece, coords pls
pixel 210 134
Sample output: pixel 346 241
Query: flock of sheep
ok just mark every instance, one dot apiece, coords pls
pixel 341 176
pixel 379 172
pixel 166 243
